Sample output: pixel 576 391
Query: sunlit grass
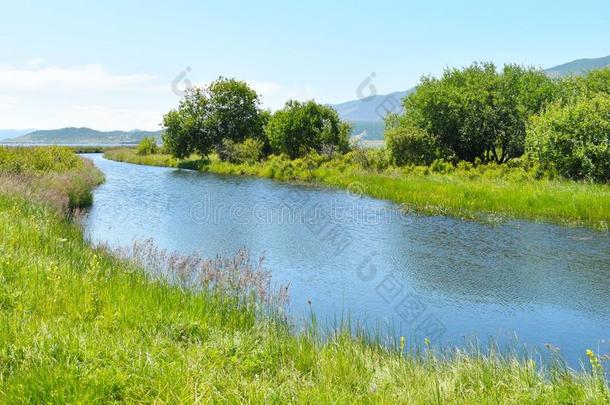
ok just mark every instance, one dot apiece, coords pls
pixel 77 324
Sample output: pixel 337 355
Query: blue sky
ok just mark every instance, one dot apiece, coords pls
pixel 110 64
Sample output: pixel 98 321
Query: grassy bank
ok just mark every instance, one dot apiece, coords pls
pixel 486 193
pixel 79 324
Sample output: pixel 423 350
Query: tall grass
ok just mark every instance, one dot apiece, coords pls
pixel 129 155
pixel 50 175
pixel 79 324
pixel 488 193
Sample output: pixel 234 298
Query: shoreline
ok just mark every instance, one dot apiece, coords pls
pixel 488 200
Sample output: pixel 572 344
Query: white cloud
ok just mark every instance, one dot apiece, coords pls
pixel 87 77
pixel 265 87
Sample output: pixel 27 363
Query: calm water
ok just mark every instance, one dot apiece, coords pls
pixel 356 257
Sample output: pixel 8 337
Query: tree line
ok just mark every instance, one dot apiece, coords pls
pixel 480 114
pixel 477 114
pixel 226 117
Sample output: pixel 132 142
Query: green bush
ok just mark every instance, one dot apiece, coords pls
pixel 368 158
pixel 410 145
pixel 475 112
pixel 148 146
pixel 575 138
pixel 441 166
pixel 249 151
pixel 299 128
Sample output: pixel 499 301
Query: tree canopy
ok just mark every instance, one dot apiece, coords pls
pixel 304 126
pixel 574 138
pixel 478 112
pixel 226 109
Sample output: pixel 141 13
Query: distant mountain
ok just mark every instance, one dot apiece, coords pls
pixel 578 67
pixel 372 108
pixel 11 133
pixel 83 136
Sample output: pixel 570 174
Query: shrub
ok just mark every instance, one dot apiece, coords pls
pixel 441 166
pixel 369 158
pixel 575 138
pixel 410 145
pixel 597 81
pixel 249 151
pixel 299 128
pixel 148 146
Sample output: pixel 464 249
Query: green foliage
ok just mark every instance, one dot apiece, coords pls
pixel 301 127
pixel 147 146
pixel 477 112
pixel 226 109
pixel 38 160
pixel 374 159
pixel 249 151
pixel 194 162
pixel 575 88
pixel 409 144
pixel 596 81
pixel 574 138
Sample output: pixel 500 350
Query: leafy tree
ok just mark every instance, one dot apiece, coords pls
pixel 226 109
pixel 477 112
pixel 304 126
pixel 234 110
pixel 147 146
pixel 574 138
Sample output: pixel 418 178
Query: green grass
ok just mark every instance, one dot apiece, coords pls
pixel 52 175
pixel 79 324
pixel 491 193
pixel 130 155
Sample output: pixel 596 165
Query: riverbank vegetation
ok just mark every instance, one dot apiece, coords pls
pixel 480 192
pixel 81 324
pixel 477 143
pixel 54 175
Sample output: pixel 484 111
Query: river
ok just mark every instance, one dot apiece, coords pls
pixel 351 257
